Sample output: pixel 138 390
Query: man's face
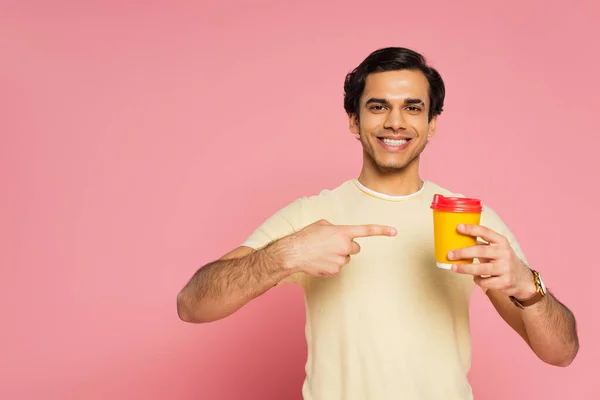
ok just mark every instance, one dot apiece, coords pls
pixel 393 119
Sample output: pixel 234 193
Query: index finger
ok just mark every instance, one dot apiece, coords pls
pixel 481 231
pixel 355 231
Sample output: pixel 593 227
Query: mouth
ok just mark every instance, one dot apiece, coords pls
pixel 390 144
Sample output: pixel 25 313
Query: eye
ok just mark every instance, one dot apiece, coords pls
pixel 413 109
pixel 377 107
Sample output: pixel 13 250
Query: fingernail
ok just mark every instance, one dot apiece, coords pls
pixel 460 227
pixel 451 255
pixel 393 231
pixel 454 267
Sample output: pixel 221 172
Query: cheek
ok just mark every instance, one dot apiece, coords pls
pixel 420 125
pixel 371 124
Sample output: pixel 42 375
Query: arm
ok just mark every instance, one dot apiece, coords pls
pixel 548 326
pixel 220 288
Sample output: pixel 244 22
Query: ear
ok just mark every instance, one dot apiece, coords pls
pixel 432 125
pixel 353 121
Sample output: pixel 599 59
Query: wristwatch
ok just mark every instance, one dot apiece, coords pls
pixel 540 292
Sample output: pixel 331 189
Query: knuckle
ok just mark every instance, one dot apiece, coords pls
pixel 334 268
pixel 347 249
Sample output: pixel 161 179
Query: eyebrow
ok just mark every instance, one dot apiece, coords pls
pixel 386 102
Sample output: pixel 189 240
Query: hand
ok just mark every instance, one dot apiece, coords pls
pixel 499 266
pixel 322 249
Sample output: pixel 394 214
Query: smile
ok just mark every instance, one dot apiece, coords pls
pixel 394 144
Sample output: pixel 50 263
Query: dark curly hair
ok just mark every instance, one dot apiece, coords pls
pixel 391 59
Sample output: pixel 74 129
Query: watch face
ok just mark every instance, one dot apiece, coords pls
pixel 542 283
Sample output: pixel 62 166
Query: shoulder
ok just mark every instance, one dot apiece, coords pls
pixel 324 197
pixel 294 216
pixel 310 208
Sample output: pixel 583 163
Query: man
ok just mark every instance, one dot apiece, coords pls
pixel 383 321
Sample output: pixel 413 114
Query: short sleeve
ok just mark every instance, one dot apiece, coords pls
pixel 284 222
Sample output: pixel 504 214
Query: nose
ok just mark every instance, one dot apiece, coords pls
pixel 395 121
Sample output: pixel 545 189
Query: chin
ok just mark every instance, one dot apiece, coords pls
pixel 391 167
pixel 391 162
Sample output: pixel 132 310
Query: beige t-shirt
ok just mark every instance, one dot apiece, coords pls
pixel 391 324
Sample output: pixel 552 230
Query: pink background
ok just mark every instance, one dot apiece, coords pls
pixel 141 142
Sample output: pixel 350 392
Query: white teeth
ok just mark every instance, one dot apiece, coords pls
pixel 393 142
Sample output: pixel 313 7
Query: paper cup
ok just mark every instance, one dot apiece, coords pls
pixel 448 213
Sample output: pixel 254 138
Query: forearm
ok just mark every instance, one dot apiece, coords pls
pixel 551 331
pixel 222 287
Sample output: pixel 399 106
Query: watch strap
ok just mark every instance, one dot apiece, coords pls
pixel 527 302
pixel 537 296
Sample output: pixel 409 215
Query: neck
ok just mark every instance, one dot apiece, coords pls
pixel 400 182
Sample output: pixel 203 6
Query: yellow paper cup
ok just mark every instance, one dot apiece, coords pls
pixel 448 213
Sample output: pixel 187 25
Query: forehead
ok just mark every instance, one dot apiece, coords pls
pixel 396 85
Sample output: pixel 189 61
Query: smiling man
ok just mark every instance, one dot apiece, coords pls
pixel 382 320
